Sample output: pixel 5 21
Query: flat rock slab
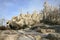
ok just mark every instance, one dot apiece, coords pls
pixel 22 35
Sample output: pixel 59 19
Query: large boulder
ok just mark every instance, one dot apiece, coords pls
pixel 24 20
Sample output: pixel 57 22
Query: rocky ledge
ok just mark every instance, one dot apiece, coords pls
pixel 27 35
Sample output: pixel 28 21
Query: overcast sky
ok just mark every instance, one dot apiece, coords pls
pixel 9 8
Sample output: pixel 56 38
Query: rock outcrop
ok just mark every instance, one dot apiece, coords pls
pixel 22 21
pixel 24 35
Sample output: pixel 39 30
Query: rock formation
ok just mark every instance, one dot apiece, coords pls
pixel 22 20
pixel 35 26
pixel 24 35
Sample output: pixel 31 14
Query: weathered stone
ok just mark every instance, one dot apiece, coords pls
pixel 38 37
pixel 27 35
pixel 12 35
pixel 47 31
pixel 53 37
pixel 24 19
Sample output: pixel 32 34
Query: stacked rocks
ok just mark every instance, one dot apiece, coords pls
pixel 25 20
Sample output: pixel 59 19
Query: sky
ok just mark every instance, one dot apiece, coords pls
pixel 10 8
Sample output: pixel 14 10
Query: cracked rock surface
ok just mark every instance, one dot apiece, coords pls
pixel 25 35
